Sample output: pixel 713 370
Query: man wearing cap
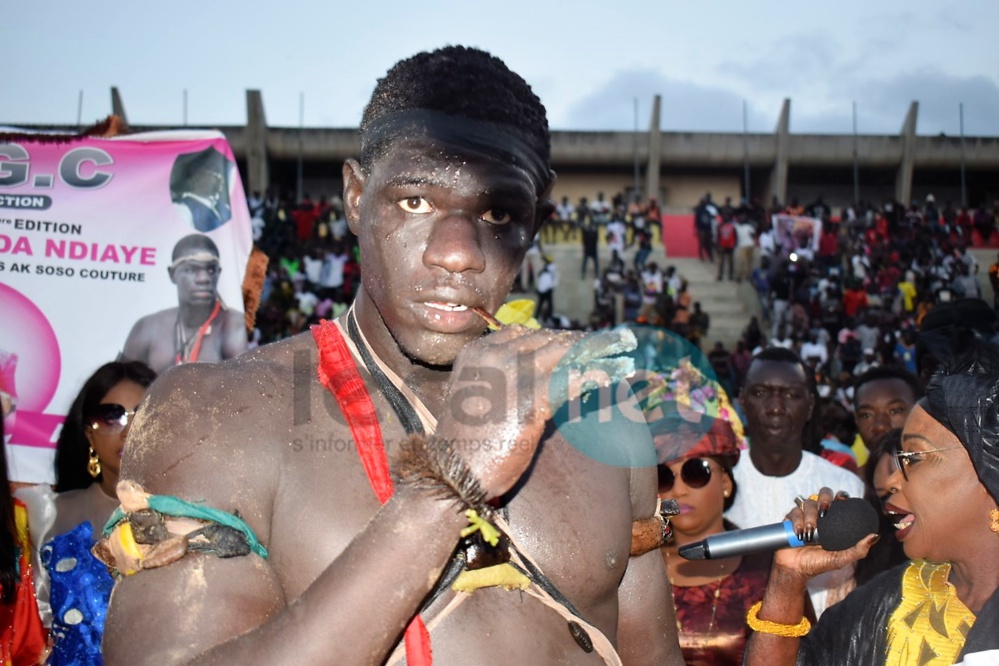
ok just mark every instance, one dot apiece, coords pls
pixel 199 188
pixel 201 329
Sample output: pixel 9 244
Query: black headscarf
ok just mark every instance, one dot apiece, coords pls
pixel 963 395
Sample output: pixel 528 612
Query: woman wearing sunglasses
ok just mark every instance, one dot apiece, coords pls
pixel 73 586
pixel 711 596
pixel 943 606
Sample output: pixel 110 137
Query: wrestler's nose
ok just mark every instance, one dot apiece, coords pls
pixel 455 245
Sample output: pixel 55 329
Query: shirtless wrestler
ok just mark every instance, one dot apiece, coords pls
pixel 452 184
pixel 201 328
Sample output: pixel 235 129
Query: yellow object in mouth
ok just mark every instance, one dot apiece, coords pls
pixel 520 312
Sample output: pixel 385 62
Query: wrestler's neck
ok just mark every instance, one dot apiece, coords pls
pixel 193 316
pixel 775 458
pixel 427 382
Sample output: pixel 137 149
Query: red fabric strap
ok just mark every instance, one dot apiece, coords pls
pixel 193 357
pixel 338 373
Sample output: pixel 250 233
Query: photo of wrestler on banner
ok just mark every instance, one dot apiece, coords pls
pixel 201 328
pixel 796 231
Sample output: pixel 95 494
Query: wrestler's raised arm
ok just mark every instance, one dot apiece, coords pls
pixel 206 434
pixel 218 434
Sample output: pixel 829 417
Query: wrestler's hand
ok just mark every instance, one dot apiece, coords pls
pixel 810 561
pixel 501 394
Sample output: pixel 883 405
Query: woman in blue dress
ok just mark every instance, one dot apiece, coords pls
pixel 73 586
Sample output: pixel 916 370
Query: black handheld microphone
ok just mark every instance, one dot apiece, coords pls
pixel 845 523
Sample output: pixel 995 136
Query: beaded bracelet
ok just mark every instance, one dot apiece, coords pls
pixel 775 628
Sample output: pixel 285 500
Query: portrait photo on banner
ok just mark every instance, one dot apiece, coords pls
pixel 130 247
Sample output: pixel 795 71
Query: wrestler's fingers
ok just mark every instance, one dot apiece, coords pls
pixel 505 335
pixel 610 342
pixel 575 354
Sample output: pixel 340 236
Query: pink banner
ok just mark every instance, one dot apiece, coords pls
pixel 88 233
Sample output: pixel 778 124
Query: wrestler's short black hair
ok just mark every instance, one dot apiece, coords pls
pixel 888 372
pixel 192 243
pixel 459 81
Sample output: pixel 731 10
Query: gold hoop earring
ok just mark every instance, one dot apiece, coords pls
pixel 94 464
pixel 994 516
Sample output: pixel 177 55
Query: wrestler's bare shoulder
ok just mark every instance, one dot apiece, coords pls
pixel 154 320
pixel 218 431
pixel 234 318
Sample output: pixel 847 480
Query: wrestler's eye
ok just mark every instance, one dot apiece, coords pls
pixel 416 205
pixel 497 216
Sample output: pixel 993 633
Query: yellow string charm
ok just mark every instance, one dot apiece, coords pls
pixel 776 628
pixel 130 548
pixel 499 575
pixel 477 523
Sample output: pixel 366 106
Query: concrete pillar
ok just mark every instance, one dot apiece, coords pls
pixel 652 169
pixel 903 182
pixel 117 108
pixel 257 171
pixel 778 176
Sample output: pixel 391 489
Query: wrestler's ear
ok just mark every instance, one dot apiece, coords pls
pixel 353 188
pixel 546 206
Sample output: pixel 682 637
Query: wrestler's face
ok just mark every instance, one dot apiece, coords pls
pixel 196 281
pixel 440 231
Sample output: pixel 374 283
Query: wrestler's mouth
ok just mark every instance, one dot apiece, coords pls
pixel 447 307
pixel 447 316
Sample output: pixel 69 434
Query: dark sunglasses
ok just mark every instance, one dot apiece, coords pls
pixel 111 416
pixel 696 473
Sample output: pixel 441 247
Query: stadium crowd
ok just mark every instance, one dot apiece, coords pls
pixel 846 293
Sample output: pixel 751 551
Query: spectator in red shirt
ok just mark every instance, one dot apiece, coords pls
pixel 829 246
pixel 854 299
pixel 305 219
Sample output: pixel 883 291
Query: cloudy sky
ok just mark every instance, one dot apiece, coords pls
pixel 588 60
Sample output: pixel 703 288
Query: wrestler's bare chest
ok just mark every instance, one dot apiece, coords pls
pixel 568 508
